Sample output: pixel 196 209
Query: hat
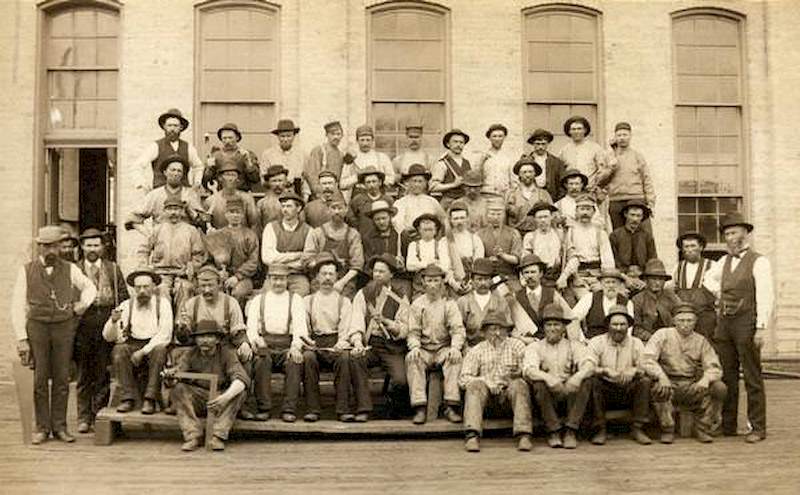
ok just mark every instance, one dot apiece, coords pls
pixel 155 277
pixel 414 127
pixel 370 170
pixel 483 266
pixel 206 327
pixel 230 126
pixel 618 309
pixel 473 178
pixel 174 201
pixel 611 273
pixel 227 163
pixel 732 220
pixel 173 112
pixel 208 270
pixel 554 311
pixel 622 125
pixel 428 216
pixel 164 163
pixel 541 205
pixel 540 134
pixel 432 270
pixel 454 132
pixel 655 268
pixel 585 199
pixel 415 170
pixel 274 170
pixel 381 205
pixel 577 118
pixel 458 205
pixel 285 125
pixel 330 125
pixel 337 197
pixel 574 172
pixel 636 203
pixel 91 233
pixel 327 173
pixel 289 194
pixel 364 130
pixel 50 234
pixel 527 160
pixel 234 202
pixel 684 307
pixel 277 269
pixel 496 127
pixel 691 235
pixel 323 258
pixel 495 204
pixel 68 232
pixel 495 318
pixel 386 258
pixel 531 259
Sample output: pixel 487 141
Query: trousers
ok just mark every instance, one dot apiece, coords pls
pixel 417 371
pixel 276 361
pixel 635 395
pixel 92 357
pixel 124 370
pixel 339 362
pixel 52 345
pixel 549 403
pixel 190 405
pixel 390 356
pixel 705 405
pixel 517 395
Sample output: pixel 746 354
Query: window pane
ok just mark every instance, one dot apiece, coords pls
pixel 552 117
pixel 390 120
pixel 687 205
pixel 254 121
pixel 687 223
pixel 709 225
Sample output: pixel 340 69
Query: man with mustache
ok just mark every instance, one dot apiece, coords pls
pixel 283 241
pixel 588 248
pixel 242 260
pixel 496 163
pixel 552 167
pixel 521 200
pixel 371 181
pixel 246 161
pixel 318 210
pixel 288 155
pixel 413 153
pixel 150 175
pixel 269 207
pixel 43 313
pixel 365 156
pixel 575 183
pixel 325 157
pixel 630 178
pixel 229 177
pixel 140 330
pixel 477 204
pixel 631 243
pixel 447 174
pixel 652 307
pixel 689 275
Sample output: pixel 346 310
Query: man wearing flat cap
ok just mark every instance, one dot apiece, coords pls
pixel 631 243
pixel 552 167
pixel 325 157
pixel 150 175
pixel 234 250
pixel 44 313
pixel 284 240
pixel 496 163
pixel 630 177
pixel 365 156
pixel 652 307
pixel 287 155
pixel 318 211
pixel 520 200
pixel 447 173
pixel 92 353
pixel 229 177
pixel 688 278
pixel 246 161
pixel 413 153
pixel 502 244
pixel 269 207
pixel 465 246
pixel 742 279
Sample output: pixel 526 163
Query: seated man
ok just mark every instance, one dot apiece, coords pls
pixel 191 398
pixel 283 241
pixel 378 330
pixel 277 339
pixel 619 379
pixel 465 245
pixel 384 239
pixel 688 374
pixel 318 210
pixel 632 243
pixel 592 309
pixel 327 345
pixel 588 248
pixel 435 338
pixel 557 369
pixel 492 372
pixel 243 253
pixel 652 307
pixel 140 329
pixel 574 183
pixel 546 242
pixel 269 207
pixel 230 175
pixel 372 189
pixel 502 244
pixel 521 199
pixel 430 248
pixel 481 301
pixel 475 202
pixel 416 201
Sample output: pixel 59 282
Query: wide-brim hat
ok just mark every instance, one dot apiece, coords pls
pixel 370 170
pixel 454 132
pixel 285 125
pixel 618 309
pixel 655 268
pixel 322 259
pixel 496 127
pixel 227 163
pixel 734 219
pixel 289 194
pixel 611 273
pixel 385 258
pixel 554 312
pixel 155 277
pixel 577 118
pixel 417 170
pixel 433 270
pixel 691 235
pixel 483 266
pixel 173 112
pixel 230 126
pixel 527 160
pixel 540 134
pixel 274 170
pixel 207 327
pixel 381 205
pixel 50 234
pixel 91 233
pixel 496 318
pixel 531 259
pixel 636 203
pixel 428 216
pixel 542 205
pixel 574 172
pixel 473 178
pixel 164 163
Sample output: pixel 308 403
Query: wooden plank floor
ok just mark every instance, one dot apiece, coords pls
pixel 152 461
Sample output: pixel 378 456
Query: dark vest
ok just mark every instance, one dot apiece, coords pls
pixel 596 318
pixel 461 170
pixel 546 298
pixel 43 288
pixel 165 150
pixel 107 284
pixel 290 242
pixel 738 287
pixel 693 291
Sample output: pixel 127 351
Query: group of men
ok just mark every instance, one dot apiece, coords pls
pixel 529 282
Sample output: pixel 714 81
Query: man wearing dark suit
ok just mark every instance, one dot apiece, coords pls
pixel 552 167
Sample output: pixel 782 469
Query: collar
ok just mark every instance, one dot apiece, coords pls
pixel 741 252
pixel 536 292
pixel 384 235
pixel 97 264
pixel 634 231
pixel 289 227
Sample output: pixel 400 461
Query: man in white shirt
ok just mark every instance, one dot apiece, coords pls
pixel 366 156
pixel 496 163
pixel 288 155
pixel 413 154
pixel 416 201
pixel 593 308
pixel 283 241
pixel 688 281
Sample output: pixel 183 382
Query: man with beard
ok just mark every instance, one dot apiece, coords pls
pixel 447 174
pixel 589 249
pixel 150 175
pixel 366 156
pixel 230 177
pixel 593 307
pixel 318 211
pixel 43 313
pixel 496 163
pixel 92 353
pixel 652 307
pixel 465 246
pixel 492 373
pixel 283 241
pixel 371 181
pixel 520 200
pixel 413 153
pixel 140 330
pixel 546 242
pixel 630 178
pixel 477 204
pixel 631 243
pixel 287 155
pixel 68 247
pixel 269 207
pixel 246 161
pixel 325 157
pixel 481 301
pixel 552 167
pixel 502 244
pixel 689 275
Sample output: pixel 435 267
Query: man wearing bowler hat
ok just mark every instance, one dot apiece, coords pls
pixel 743 281
pixel 44 314
pixel 286 154
pixel 496 163
pixel 688 278
pixel 325 157
pixel 246 161
pixel 630 177
pixel 552 167
pixel 414 153
pixel 652 307
pixel 150 176
pixel 447 173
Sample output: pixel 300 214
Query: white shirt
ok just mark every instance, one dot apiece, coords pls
pixel 371 158
pixel 269 247
pixel 276 312
pixel 468 244
pixel 145 323
pixel 410 206
pixel 497 170
pixel 545 245
pixel 541 160
pixel 482 299
pixel 583 306
pixel 423 253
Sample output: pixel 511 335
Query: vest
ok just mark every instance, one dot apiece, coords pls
pixel 165 150
pixel 339 248
pixel 546 298
pixel 49 297
pixel 107 283
pixel 694 292
pixel 287 241
pixel 738 287
pixel 451 169
pixel 596 318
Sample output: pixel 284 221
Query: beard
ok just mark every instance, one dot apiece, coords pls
pixel 50 259
pixel 172 135
pixel 92 256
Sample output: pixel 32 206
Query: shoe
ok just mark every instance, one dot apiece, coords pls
pixel 246 415
pixel 190 445
pixel 170 409
pixel 261 415
pixel 420 416
pixel 569 440
pixel 755 437
pixel 288 417
pixel 125 406
pixel 554 440
pixel 83 427
pixel 473 444
pixel 362 417
pixel 667 437
pixel 640 436
pixel 148 406
pixel 347 418
pixel 452 415
pixel 63 436
pixel 600 437
pixel 703 437
pixel 311 418
pixel 217 444
pixel 39 437
pixel 524 444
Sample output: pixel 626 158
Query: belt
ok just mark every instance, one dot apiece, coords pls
pixel 589 265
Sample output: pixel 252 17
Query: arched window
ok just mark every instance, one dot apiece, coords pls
pixel 408 73
pixel 709 106
pixel 561 68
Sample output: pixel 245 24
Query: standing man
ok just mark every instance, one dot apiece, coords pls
pixel 284 240
pixel 630 178
pixel 230 176
pixel 372 189
pixel 245 160
pixel 318 211
pixel 366 156
pixel 745 308
pixel 286 154
pixel 586 155
pixel 269 207
pixel 413 154
pixel 92 353
pixel 496 163
pixel 520 201
pixel 552 167
pixel 43 315
pixel 416 201
pixel 689 275
pixel 475 202
pixel 150 176
pixel 501 243
pixel 325 157
pixel 447 180
pixel 545 241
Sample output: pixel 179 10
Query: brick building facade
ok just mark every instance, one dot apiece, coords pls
pixel 710 89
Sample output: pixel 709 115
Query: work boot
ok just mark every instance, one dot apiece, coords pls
pixel 473 444
pixel 246 415
pixel 125 406
pixel 83 427
pixel 148 406
pixel 703 437
pixel 420 416
pixel 190 445
pixel 569 440
pixel 217 443
pixel 755 437
pixel 39 437
pixel 452 415
pixel 640 436
pixel 261 416
pixel 347 418
pixel 288 417
pixel 667 436
pixel 362 417
pixel 600 437
pixel 311 418
pixel 524 443
pixel 170 409
pixel 554 440
pixel 64 436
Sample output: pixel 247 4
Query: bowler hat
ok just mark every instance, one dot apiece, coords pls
pixel 207 327
pixel 381 205
pixel 531 259
pixel 483 266
pixel 385 258
pixel 655 268
pixel 289 194
pixel 277 269
pixel 428 216
pixel 50 234
pixel 496 127
pixel 322 259
pixel 636 203
pixel 684 307
pixel 734 219
pixel 541 205
pixel 173 112
pixel 574 172
pixel 611 273
pixel 691 235
pixel 473 178
pixel 577 118
pixel 527 160
pixel 433 270
pixel 274 170
pixel 540 134
pixel 285 125
pixel 555 312
pixel 164 163
pixel 230 126
pixel 370 170
pixel 415 170
pixel 91 233
pixel 618 309
pixel 454 132
pixel 495 318
pixel 155 277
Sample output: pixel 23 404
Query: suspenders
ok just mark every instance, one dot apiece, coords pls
pixel 261 322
